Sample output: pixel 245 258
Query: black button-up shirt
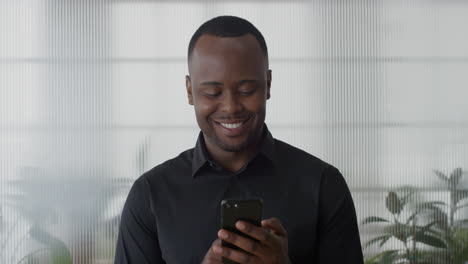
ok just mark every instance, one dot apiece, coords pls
pixel 172 213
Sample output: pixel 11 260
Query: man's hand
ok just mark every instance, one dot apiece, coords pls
pixel 211 257
pixel 271 248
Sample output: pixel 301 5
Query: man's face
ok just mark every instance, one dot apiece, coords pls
pixel 228 86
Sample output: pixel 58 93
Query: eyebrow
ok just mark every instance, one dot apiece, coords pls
pixel 211 83
pixel 248 81
pixel 218 83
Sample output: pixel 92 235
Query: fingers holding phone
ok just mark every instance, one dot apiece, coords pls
pixel 269 243
pixel 233 210
pixel 211 257
pixel 247 239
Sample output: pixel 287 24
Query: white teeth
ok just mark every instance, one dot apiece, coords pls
pixel 231 126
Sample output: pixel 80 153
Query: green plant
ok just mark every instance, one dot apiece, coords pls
pixel 452 231
pixel 41 197
pixel 58 252
pixel 431 233
pixel 408 231
pixel 47 200
pixel 53 249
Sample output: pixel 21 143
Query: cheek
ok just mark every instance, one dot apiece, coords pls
pixel 204 108
pixel 257 104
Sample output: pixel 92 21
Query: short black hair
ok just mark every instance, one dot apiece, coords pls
pixel 227 26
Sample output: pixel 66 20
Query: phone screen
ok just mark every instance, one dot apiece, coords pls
pixel 233 210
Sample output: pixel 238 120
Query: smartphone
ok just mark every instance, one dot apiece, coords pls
pixel 233 210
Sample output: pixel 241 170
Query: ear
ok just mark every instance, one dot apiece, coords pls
pixel 268 83
pixel 188 86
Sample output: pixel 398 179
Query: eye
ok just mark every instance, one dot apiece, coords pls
pixel 247 92
pixel 212 94
pixel 210 91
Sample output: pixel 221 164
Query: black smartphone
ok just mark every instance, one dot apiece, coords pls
pixel 233 210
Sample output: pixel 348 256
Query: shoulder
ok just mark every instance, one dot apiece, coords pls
pixel 176 166
pixel 306 168
pixel 307 175
pixel 295 157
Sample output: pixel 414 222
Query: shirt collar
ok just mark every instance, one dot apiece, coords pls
pixel 201 157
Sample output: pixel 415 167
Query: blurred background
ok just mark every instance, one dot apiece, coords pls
pixel 92 94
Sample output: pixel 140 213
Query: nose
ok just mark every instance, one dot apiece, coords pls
pixel 231 103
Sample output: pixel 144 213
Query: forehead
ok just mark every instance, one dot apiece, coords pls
pixel 227 57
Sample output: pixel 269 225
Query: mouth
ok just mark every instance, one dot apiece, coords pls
pixel 231 123
pixel 232 127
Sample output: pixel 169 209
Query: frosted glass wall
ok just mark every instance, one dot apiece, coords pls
pixel 92 94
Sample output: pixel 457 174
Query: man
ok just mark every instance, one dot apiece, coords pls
pixel 172 213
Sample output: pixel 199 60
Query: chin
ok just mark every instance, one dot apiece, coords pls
pixel 231 147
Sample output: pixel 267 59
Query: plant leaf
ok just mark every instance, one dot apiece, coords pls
pixel 384 241
pixel 377 239
pixel 455 177
pixel 437 213
pixel 373 219
pixel 387 257
pixel 441 176
pixel 461 255
pixel 31 257
pixel 434 257
pixel 460 237
pixel 430 205
pixel 460 195
pixel 405 192
pixel 399 231
pixel 430 240
pixel 60 254
pixel 424 229
pixel 393 203
pixel 411 217
pixel 390 257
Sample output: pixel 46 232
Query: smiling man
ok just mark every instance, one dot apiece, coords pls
pixel 172 211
